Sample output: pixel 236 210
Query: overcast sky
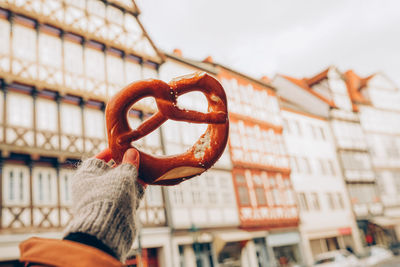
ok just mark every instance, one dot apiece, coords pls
pixel 293 37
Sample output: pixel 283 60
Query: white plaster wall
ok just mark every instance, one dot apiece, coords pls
pixel 325 221
pixel 383 93
pixel 301 97
pixel 380 120
pixel 382 127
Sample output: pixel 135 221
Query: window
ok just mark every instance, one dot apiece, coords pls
pixel 50 58
pixel 277 197
pixel 177 194
pixel 4 45
pixel 322 166
pixel 95 69
pixel 115 71
pixel 380 182
pixel 153 196
pixel 355 161
pixel 94 123
pixel 260 195
pixel 396 178
pixel 45 186
pixel 304 165
pixel 46 115
pixel 314 201
pixel 303 201
pixel 313 131
pixel 340 201
pixel 19 110
pixel 322 132
pixel 331 167
pixel 15 185
pixel 290 198
pixel 24 50
pixel 65 186
pixel 295 127
pixel 71 119
pixel 286 125
pixel 272 182
pixel 133 69
pixel 212 197
pixel 73 64
pixel 331 203
pixel 362 193
pixel 293 164
pixel 240 179
pixel 244 198
pixel 196 190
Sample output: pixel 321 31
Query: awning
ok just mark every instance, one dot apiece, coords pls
pixel 221 238
pixel 385 221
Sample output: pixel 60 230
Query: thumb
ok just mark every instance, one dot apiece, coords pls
pixel 132 156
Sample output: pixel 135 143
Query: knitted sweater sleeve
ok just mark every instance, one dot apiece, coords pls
pixel 105 201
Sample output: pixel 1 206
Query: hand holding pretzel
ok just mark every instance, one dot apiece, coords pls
pixel 170 170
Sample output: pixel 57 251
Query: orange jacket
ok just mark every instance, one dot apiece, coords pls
pixel 58 253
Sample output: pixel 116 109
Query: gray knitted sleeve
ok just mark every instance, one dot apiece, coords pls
pixel 105 201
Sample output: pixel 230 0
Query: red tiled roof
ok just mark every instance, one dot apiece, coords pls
pixel 303 83
pixel 265 79
pixel 354 85
pixel 317 78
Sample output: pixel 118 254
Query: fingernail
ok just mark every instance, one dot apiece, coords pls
pixel 131 156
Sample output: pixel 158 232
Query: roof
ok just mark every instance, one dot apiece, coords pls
pixel 355 84
pixel 318 77
pixel 209 60
pixel 197 64
pixel 305 84
pixel 290 106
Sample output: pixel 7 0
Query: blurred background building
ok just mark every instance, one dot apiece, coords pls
pixel 327 220
pixel 312 165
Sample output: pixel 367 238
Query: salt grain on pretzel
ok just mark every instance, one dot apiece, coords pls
pixel 170 170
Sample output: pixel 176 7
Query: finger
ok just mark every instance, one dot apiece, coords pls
pixel 104 155
pixel 132 156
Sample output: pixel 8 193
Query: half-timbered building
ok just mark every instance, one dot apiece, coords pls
pixel 261 171
pixel 202 211
pixel 59 63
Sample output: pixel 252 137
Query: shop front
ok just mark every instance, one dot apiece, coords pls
pixel 145 258
pixel 284 249
pixel 228 246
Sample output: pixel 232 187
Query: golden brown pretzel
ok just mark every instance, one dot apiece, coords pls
pixel 170 170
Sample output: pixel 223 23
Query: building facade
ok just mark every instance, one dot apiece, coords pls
pixel 261 171
pixel 202 212
pixel 326 219
pixel 325 94
pixel 59 63
pixel 377 98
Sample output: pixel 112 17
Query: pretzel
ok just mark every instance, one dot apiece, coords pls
pixel 170 170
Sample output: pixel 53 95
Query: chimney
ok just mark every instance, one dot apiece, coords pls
pixel 178 52
pixel 208 59
pixel 265 79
